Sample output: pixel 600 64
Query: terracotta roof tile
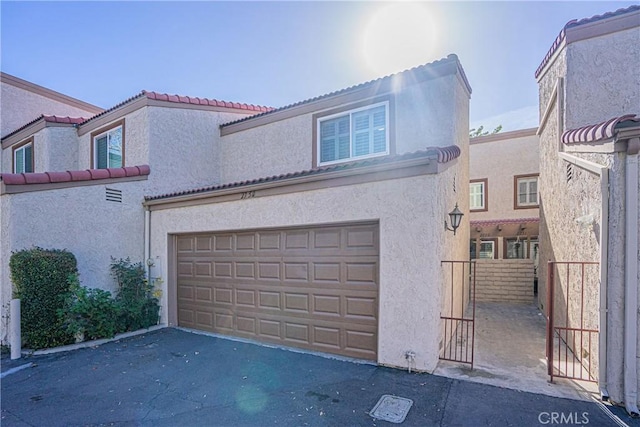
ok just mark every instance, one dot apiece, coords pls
pixel 440 154
pixel 179 99
pixel 48 119
pixel 496 222
pixel 72 176
pixel 599 131
pixel 67 119
pixel 574 23
pixel 425 67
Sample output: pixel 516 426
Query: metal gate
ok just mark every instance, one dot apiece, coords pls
pixel 572 327
pixel 459 323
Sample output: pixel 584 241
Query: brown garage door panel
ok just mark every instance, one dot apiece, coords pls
pixel 314 288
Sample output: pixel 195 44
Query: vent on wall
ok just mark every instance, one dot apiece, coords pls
pixel 114 195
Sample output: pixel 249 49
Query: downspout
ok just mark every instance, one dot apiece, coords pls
pixel 631 279
pixel 557 98
pixel 147 241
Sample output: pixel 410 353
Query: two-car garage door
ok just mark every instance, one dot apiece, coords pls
pixel 314 288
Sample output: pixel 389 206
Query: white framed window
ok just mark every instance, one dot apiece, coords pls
pixel 23 157
pixel 108 147
pixel 525 191
pixel 478 195
pixel 516 249
pixel 487 249
pixel 355 134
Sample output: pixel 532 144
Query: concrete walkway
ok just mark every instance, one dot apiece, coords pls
pixel 510 352
pixel 175 378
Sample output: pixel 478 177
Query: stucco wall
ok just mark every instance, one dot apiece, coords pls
pixel 610 64
pixel 136 140
pixel 601 82
pixel 20 106
pixel 499 161
pixel 411 231
pixel 56 149
pixel 424 116
pixel 78 219
pixel 184 148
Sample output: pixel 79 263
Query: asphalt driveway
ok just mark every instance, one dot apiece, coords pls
pixel 175 378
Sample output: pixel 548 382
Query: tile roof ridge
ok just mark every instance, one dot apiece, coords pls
pixel 115 107
pixel 74 175
pixel 63 119
pixel 204 101
pixel 448 59
pixel 575 23
pixel 597 131
pixel 441 154
pixel 13 132
pixel 49 119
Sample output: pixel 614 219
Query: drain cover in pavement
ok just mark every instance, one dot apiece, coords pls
pixel 391 408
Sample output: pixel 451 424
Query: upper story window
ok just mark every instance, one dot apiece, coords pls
pixel 108 146
pixel 526 191
pixel 23 157
pixel 478 195
pixel 355 134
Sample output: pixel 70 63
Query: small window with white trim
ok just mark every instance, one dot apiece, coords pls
pixel 526 191
pixel 356 134
pixel 23 157
pixel 108 147
pixel 478 195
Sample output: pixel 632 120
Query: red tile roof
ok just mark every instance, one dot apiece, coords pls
pixel 496 222
pixel 60 119
pixel 574 23
pixel 185 100
pixel 48 119
pixel 440 154
pixel 599 131
pixel 429 68
pixel 71 176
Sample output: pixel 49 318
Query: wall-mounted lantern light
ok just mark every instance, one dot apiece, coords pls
pixel 455 216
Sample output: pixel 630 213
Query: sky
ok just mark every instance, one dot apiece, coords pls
pixel 278 53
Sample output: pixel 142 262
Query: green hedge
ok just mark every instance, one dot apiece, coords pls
pixel 41 278
pixel 94 313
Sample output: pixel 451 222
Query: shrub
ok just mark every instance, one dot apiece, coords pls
pixel 91 313
pixel 40 278
pixel 137 306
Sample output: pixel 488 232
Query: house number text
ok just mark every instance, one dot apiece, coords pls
pixel 248 195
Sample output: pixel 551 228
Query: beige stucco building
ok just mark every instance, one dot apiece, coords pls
pixel 317 225
pixel 504 215
pixel 589 85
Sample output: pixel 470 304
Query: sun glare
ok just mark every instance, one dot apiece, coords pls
pixel 399 36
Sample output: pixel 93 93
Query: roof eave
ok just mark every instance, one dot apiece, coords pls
pixel 420 166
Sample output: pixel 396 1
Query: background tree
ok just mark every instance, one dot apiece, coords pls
pixel 474 133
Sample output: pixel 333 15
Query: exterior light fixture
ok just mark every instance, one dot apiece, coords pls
pixel 455 216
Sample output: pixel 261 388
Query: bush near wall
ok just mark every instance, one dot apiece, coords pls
pixel 93 313
pixel 41 277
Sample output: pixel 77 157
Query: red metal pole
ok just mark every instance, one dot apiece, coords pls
pixel 550 268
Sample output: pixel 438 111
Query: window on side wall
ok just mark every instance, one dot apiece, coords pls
pixel 356 134
pixel 23 157
pixel 525 191
pixel 516 249
pixel 478 195
pixel 488 249
pixel 108 146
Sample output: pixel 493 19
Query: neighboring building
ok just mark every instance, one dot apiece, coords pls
pixel 318 225
pixel 504 214
pixel 23 101
pixel 589 85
